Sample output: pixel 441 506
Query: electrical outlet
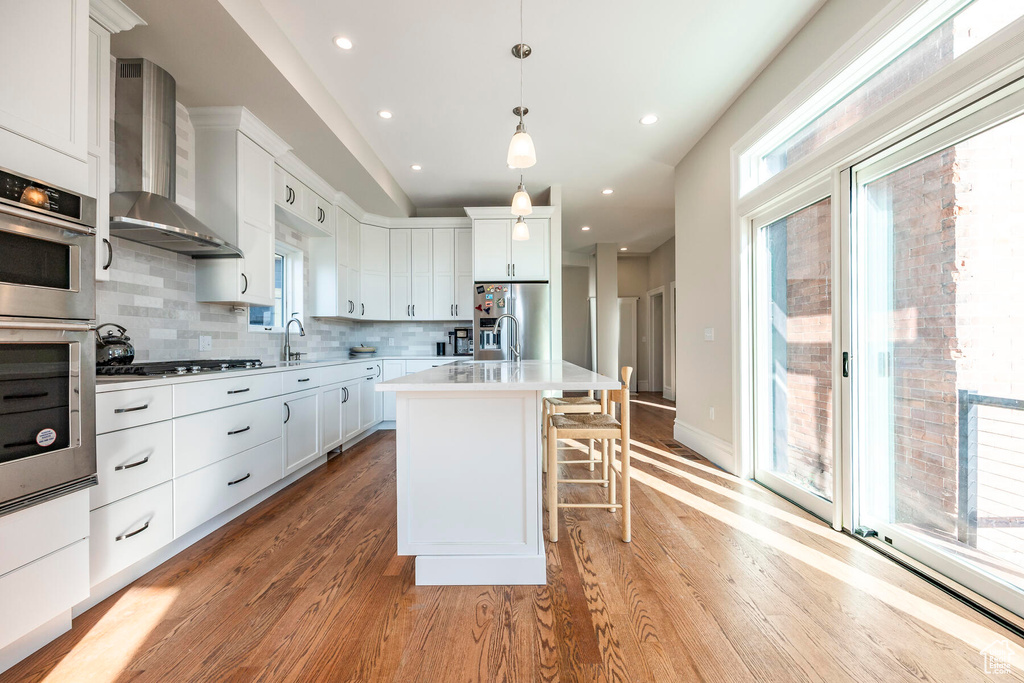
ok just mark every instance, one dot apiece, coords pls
pixel 205 342
pixel 711 412
pixel 709 334
pixel 391 341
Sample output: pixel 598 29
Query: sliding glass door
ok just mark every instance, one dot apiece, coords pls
pixel 793 353
pixel 937 322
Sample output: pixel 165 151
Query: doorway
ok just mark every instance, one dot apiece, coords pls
pixel 656 335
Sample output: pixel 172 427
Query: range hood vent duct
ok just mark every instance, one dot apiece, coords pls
pixel 142 207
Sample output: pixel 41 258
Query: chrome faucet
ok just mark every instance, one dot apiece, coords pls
pixel 288 355
pixel 513 342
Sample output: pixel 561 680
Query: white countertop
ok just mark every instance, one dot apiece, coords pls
pixel 120 382
pixel 528 375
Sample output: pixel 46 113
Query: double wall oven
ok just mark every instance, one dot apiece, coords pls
pixel 47 351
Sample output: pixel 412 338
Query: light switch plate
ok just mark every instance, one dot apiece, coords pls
pixel 205 342
pixel 709 334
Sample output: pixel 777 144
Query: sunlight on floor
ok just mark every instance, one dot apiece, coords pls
pixel 974 634
pixel 652 405
pixel 110 645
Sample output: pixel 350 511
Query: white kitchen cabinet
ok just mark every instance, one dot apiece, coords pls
pixel 332 428
pixel 374 273
pixel 298 206
pixel 131 408
pixel 350 409
pixel 332 291
pixel 236 200
pixel 287 195
pixel 131 460
pixel 497 257
pixel 99 143
pixel 301 429
pixel 368 410
pixel 124 532
pixel 453 273
pixel 204 438
pixel 411 274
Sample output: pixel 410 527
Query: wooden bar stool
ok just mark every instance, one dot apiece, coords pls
pixel 602 427
pixel 572 405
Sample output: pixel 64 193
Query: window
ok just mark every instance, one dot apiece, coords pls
pixel 929 39
pixel 287 293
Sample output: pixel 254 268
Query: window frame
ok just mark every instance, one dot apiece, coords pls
pixel 292 297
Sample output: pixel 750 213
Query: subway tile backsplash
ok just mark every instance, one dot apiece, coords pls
pixel 152 293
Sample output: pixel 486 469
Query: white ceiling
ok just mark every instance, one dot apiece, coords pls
pixel 445 70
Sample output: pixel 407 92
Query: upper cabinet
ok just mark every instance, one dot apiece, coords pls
pixel 497 257
pixel 334 273
pixel 453 274
pixel 235 199
pixel 411 274
pixel 374 273
pixel 300 207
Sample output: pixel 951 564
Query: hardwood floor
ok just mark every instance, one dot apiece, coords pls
pixel 723 581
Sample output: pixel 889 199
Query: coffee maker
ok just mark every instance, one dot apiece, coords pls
pixel 462 341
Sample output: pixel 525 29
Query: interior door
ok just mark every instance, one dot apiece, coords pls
pixel 627 337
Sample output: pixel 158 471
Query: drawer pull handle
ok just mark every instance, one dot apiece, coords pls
pixel 239 431
pixel 369 379
pixel 132 533
pixel 239 481
pixel 131 465
pixel 238 391
pixel 303 380
pixel 118 411
pixel 22 397
pixel 345 400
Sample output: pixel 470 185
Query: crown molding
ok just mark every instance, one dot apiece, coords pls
pixel 114 16
pixel 304 174
pixel 431 222
pixel 241 119
pixel 478 212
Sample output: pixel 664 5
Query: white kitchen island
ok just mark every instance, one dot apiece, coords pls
pixel 469 468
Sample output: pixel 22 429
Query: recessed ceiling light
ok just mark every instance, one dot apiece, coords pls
pixel 607 191
pixel 384 114
pixel 622 249
pixel 649 119
pixel 416 167
pixel 343 42
pixel 585 228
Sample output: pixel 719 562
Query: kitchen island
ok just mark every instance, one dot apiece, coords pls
pixel 469 468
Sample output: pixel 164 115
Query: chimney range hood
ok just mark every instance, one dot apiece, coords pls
pixel 142 207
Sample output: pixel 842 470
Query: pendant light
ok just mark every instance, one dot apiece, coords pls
pixel 521 152
pixel 521 204
pixel 521 231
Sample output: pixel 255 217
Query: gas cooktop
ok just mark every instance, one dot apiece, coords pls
pixel 179 367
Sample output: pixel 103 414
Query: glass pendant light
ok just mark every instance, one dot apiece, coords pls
pixel 521 204
pixel 521 152
pixel 521 231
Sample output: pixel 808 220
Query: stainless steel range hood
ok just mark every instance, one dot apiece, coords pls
pixel 142 207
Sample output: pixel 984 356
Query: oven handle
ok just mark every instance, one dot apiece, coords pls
pixel 66 326
pixel 48 220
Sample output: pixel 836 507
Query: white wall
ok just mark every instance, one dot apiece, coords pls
pixel 575 310
pixel 703 231
pixel 633 282
pixel 608 310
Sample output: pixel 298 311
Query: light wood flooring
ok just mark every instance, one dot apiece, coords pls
pixel 723 581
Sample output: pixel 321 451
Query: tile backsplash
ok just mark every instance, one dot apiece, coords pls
pixel 152 293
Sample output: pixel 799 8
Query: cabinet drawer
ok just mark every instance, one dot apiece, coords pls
pixel 41 591
pixel 203 439
pixel 196 397
pixel 205 493
pixel 31 533
pixel 131 408
pixel 130 461
pixel 345 373
pixel 125 532
pixel 299 380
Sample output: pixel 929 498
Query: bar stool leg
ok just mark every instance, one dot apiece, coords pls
pixel 604 462
pixel 609 445
pixel 626 517
pixel 552 484
pixel 591 453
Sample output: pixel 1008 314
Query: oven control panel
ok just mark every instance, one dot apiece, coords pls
pixel 19 190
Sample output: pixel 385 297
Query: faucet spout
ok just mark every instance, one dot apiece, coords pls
pixel 513 343
pixel 288 355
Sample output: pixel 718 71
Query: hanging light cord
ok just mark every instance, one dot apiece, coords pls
pixel 522 58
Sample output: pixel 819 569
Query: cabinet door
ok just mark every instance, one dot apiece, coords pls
pixel 257 282
pixel 255 185
pixel 421 274
pixel 401 304
pixel 44 49
pixel 530 258
pixel 350 411
pixel 332 430
pixel 463 274
pixel 342 225
pixel 374 273
pixel 301 430
pixel 444 274
pixel 354 288
pixel 307 205
pixel 491 261
pixel 99 143
pixel 368 402
pixel 286 193
pixel 324 217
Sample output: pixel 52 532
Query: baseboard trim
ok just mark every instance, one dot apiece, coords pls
pixel 481 570
pixel 718 451
pixel 14 652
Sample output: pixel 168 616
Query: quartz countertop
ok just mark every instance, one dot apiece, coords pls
pixel 527 375
pixel 119 382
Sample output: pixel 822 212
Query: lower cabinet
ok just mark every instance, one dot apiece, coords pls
pixel 350 410
pixel 127 531
pixel 370 408
pixel 301 429
pixel 205 493
pixel 332 429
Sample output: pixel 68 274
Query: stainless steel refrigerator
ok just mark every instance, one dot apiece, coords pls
pixel 529 302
